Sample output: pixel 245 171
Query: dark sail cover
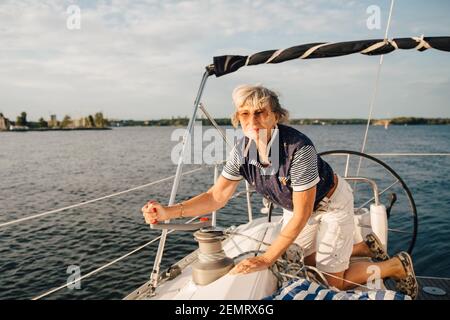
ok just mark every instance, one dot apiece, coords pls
pixel 230 63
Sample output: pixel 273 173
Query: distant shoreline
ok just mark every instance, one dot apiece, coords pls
pixel 316 121
pixel 55 129
pixel 183 122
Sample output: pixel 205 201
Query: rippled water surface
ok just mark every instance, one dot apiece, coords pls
pixel 40 171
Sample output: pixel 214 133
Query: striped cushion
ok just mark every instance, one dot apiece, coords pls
pixel 304 289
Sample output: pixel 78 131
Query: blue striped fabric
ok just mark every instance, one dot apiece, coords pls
pixel 304 289
pixel 304 171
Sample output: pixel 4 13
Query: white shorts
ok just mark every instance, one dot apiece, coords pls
pixel 329 231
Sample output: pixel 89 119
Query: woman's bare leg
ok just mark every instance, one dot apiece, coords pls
pixel 361 250
pixel 360 272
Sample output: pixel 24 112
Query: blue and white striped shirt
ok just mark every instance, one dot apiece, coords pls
pixel 304 173
pixel 294 165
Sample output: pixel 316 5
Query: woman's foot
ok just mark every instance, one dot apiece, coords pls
pixel 407 284
pixel 376 248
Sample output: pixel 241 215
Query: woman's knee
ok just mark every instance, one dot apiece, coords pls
pixel 336 280
pixel 311 259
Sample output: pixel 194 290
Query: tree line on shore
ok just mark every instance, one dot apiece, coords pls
pixel 91 121
pixel 99 121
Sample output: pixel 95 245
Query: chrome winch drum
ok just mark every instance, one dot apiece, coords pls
pixel 212 262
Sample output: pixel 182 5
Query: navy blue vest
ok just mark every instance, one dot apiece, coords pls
pixel 273 182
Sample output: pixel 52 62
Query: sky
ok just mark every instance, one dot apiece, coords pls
pixel 143 59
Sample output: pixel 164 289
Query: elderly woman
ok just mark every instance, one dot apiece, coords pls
pixel 282 164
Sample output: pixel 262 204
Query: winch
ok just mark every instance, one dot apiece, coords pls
pixel 212 261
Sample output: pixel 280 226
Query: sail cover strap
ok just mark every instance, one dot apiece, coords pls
pixel 230 63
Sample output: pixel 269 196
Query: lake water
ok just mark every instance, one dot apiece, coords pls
pixel 40 171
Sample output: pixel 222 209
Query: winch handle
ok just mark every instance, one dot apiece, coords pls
pixel 204 223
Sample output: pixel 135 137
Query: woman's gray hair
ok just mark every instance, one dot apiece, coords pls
pixel 257 96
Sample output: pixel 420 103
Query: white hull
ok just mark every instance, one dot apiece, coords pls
pixel 253 286
pixel 256 285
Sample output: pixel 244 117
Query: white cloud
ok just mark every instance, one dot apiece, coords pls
pixel 143 59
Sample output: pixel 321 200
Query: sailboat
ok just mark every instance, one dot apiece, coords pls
pixel 204 273
pixel 383 207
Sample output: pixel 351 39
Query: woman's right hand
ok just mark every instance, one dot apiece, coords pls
pixel 153 212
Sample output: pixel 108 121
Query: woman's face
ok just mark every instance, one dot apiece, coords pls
pixel 257 122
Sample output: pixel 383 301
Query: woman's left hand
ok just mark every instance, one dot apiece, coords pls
pixel 251 265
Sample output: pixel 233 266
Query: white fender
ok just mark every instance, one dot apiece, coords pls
pixel 379 223
pixel 362 225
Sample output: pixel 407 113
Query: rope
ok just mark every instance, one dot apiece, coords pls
pixel 408 154
pixel 237 194
pixel 291 276
pixel 39 215
pixel 423 45
pixel 329 274
pixel 375 91
pixel 435 278
pixel 345 280
pixel 246 236
pixel 375 46
pixel 311 50
pixel 211 257
pixel 103 267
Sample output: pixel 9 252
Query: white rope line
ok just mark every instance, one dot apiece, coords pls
pixel 91 201
pixel 375 46
pixel 247 60
pixel 248 237
pixel 331 275
pixel 290 275
pixel 375 91
pixel 399 230
pixel 421 43
pixel 436 278
pixel 311 50
pixel 381 44
pixel 408 154
pixel 104 266
pixel 238 194
pixel 274 55
pixel 391 9
pixel 394 44
pixel 284 274
pixel 372 103
pixel 348 281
